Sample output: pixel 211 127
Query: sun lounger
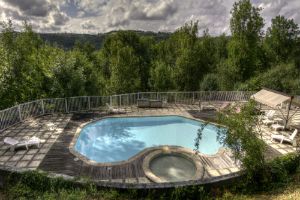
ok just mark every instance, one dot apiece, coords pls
pixel 290 139
pixel 111 109
pixel 268 121
pixel 277 127
pixel 14 143
pixel 224 106
pixel 269 115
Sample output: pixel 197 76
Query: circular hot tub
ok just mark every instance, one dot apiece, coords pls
pixel 172 165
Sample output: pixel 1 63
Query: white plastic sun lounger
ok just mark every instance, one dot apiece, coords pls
pixel 13 143
pixel 268 121
pixel 269 115
pixel 282 138
pixel 277 127
pixel 111 109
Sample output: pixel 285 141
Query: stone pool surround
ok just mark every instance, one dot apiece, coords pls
pixel 139 154
pixel 216 171
pixel 175 151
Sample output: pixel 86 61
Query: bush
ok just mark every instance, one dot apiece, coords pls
pixel 210 82
pixel 276 174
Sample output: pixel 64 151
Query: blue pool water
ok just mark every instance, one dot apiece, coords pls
pixel 118 139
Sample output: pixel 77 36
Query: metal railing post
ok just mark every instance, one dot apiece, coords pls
pixel 193 98
pixel 19 111
pixel 43 108
pixel 128 100
pixel 89 103
pixel 66 105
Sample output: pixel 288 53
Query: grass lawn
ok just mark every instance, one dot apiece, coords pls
pixel 290 193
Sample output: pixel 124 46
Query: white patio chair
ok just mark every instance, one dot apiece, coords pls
pixel 290 139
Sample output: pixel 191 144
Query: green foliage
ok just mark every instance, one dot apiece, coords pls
pixel 131 61
pixel 244 49
pixel 210 82
pixel 126 62
pixel 160 75
pixel 281 173
pixel 281 39
pixel 242 137
pixel 246 22
pixel 283 77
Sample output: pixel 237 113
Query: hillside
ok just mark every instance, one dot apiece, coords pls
pixel 68 40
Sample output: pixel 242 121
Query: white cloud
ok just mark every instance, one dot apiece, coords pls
pixel 95 16
pixel 88 25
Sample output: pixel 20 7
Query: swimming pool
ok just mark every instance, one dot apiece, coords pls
pixel 120 138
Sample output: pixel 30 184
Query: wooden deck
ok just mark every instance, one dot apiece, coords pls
pixel 59 160
pixel 58 131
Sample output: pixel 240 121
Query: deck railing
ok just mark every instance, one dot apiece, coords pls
pixel 21 112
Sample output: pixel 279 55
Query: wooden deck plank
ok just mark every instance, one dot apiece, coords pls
pixel 60 160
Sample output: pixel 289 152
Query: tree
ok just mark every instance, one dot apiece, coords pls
pixel 282 77
pixel 244 49
pixel 240 132
pixel 23 73
pixel 161 77
pixel 187 68
pixel 210 82
pixel 186 56
pixel 69 79
pixel 281 39
pixel 123 61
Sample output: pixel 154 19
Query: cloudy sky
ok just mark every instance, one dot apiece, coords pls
pixel 94 16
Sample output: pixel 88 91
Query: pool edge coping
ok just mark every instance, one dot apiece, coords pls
pixel 139 154
pixel 180 151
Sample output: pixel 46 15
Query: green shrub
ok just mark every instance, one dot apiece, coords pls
pixel 276 174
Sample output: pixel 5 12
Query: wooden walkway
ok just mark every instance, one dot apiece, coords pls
pixel 58 131
pixel 59 160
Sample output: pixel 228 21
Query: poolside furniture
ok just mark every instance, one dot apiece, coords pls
pixel 143 103
pixel 277 127
pixel 290 139
pixel 155 103
pixel 224 106
pixel 14 143
pixel 206 106
pixel 278 120
pixel 268 121
pixel 111 109
pixel 149 103
pixel 269 115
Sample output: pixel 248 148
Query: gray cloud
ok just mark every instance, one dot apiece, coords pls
pixel 39 8
pixel 60 18
pixel 88 7
pixel 157 11
pixel 95 16
pixel 88 25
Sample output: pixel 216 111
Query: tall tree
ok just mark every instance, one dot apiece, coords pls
pixel 123 61
pixel 281 39
pixel 23 73
pixel 244 49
